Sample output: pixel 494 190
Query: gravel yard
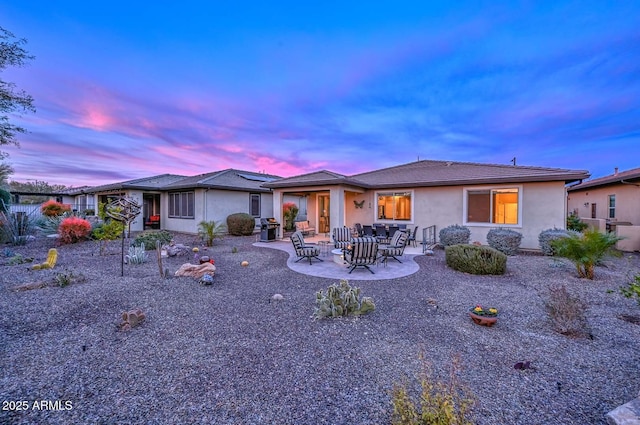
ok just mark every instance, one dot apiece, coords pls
pixel 225 354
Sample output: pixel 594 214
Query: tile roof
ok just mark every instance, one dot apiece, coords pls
pixel 437 173
pixel 628 176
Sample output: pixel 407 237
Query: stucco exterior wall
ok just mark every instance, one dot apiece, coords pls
pixel 627 202
pixel 631 235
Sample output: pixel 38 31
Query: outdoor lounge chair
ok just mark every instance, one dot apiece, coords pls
pixel 395 248
pixel 341 237
pixel 304 251
pixel 363 252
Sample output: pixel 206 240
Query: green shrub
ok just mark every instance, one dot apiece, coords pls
pixel 149 238
pixel 586 249
pixel 440 402
pixel 574 223
pixel 506 241
pixel 341 300
pixel 567 312
pixel 108 230
pixel 16 228
pixel 73 229
pixel 475 259
pixel 632 289
pixel 240 224
pixel 289 212
pixel 5 200
pixel 546 238
pixel 454 235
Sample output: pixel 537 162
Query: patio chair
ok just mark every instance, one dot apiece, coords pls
pixel 304 251
pixel 363 252
pixel 381 233
pixel 341 237
pixel 367 230
pixel 358 227
pixel 395 248
pixel 412 237
pixel 393 229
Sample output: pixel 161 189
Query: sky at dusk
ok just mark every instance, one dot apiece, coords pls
pixel 132 89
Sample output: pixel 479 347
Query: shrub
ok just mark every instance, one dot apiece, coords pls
pixel 341 300
pixel 632 289
pixel 210 230
pixel 5 200
pixel 506 241
pixel 74 229
pixel 53 208
pixel 442 403
pixel 136 255
pixel 574 223
pixel 240 224
pixel 49 224
pixel 454 235
pixel 290 212
pixel 108 230
pixel 586 249
pixel 149 238
pixel 546 238
pixel 16 228
pixel 475 259
pixel 567 312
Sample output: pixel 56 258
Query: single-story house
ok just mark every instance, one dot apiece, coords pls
pixel 610 203
pixel 441 193
pixel 178 203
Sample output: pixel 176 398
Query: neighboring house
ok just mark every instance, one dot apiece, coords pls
pixel 441 193
pixel 181 202
pixel 610 203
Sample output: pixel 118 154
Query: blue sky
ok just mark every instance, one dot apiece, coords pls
pixel 132 89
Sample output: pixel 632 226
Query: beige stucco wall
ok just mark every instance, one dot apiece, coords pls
pixel 600 224
pixel 543 207
pixel 627 202
pixel 631 235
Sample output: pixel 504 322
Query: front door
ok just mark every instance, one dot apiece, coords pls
pixel 324 211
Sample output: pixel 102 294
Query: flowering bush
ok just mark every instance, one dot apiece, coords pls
pixel 74 229
pixel 490 312
pixel 53 208
pixel 289 211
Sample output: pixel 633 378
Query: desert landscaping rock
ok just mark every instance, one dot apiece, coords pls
pixel 227 354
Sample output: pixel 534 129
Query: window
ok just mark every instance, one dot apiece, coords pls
pixel 181 204
pixel 394 206
pixel 254 204
pixel 494 206
pixel 612 206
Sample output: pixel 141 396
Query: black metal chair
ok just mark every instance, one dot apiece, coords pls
pixel 367 230
pixel 393 229
pixel 395 248
pixel 304 251
pixel 380 231
pixel 363 252
pixel 412 237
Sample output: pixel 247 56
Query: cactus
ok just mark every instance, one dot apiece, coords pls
pixel 132 318
pixel 341 300
pixel 52 257
pixel 137 255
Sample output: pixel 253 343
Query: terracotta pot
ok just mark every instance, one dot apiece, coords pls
pixel 483 320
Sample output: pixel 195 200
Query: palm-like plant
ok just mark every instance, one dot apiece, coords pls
pixel 586 250
pixel 210 230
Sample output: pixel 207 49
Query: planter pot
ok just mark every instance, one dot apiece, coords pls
pixel 483 320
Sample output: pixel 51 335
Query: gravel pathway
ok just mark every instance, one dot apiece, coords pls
pixel 225 354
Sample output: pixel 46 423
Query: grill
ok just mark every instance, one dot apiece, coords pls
pixel 268 229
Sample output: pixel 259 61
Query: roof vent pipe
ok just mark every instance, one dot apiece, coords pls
pixel 615 171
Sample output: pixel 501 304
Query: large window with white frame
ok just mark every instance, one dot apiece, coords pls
pixel 181 204
pixel 493 205
pixel 394 206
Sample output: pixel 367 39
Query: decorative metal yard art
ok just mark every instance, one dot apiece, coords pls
pixel 124 210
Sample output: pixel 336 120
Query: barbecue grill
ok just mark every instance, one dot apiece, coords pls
pixel 268 229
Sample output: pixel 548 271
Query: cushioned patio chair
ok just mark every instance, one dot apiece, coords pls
pixel 395 248
pixel 304 251
pixel 362 252
pixel 341 237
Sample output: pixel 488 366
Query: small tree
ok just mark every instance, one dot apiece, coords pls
pixel 210 230
pixel 574 223
pixel 586 250
pixel 290 212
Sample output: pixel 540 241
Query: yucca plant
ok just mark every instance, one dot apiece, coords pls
pixel 586 250
pixel 210 230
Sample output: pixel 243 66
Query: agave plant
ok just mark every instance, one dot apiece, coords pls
pixel 210 230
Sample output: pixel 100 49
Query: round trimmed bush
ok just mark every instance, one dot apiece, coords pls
pixel 240 224
pixel 454 235
pixel 546 238
pixel 53 208
pixel 504 240
pixel 475 259
pixel 74 229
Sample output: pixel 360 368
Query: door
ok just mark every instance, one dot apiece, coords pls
pixel 324 212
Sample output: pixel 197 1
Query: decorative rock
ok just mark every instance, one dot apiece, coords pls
pixel 244 263
pixel 131 319
pixel 195 270
pixel 627 414
pixel 277 297
pixel 206 279
pixel 177 249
